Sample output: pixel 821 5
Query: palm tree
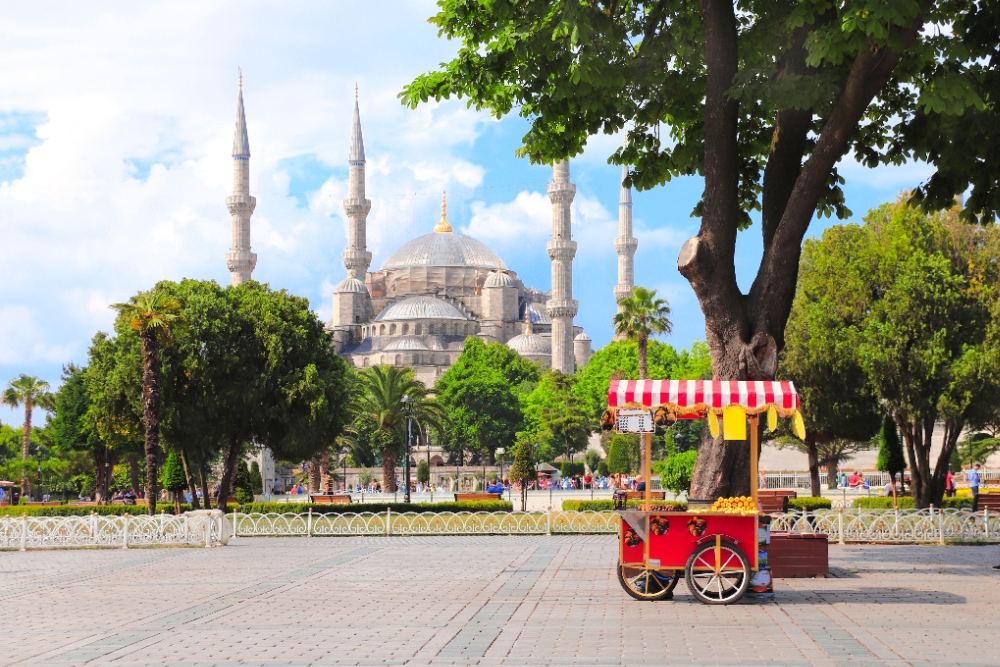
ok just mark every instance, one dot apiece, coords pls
pixel 642 315
pixel 380 393
pixel 31 392
pixel 150 313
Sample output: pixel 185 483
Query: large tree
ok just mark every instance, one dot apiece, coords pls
pixel 379 401
pixel 556 418
pixel 821 350
pixel 761 99
pixel 151 315
pixel 29 392
pixel 641 317
pixel 621 358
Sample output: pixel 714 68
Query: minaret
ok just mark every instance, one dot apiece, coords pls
pixel 357 259
pixel 625 244
pixel 239 259
pixel 561 306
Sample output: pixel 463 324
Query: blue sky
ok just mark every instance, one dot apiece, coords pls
pixel 116 125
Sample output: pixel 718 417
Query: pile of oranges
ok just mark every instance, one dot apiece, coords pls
pixel 739 505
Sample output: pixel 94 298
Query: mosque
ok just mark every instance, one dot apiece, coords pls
pixel 440 288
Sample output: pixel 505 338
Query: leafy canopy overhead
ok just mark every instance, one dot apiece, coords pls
pixel 575 68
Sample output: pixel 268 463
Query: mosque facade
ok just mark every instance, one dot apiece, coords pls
pixel 438 289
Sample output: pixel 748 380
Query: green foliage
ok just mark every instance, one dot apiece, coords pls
pixel 975 447
pixel 592 459
pixel 608 505
pixel 357 508
pixel 172 475
pixel 480 396
pixel 522 470
pixel 570 468
pixel 809 503
pixel 256 479
pixel 620 453
pixel 555 418
pixel 890 450
pixel 602 469
pixel 243 489
pixel 642 316
pixel 884 503
pixel 87 510
pixel 676 471
pixel 423 472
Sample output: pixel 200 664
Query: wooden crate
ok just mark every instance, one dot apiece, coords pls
pixel 799 555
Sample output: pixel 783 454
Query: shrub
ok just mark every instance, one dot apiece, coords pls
pixel 607 505
pixel 884 503
pixel 423 472
pixel 675 474
pixel 620 454
pixel 353 508
pixel 592 459
pixel 809 503
pixel 602 469
pixel 86 510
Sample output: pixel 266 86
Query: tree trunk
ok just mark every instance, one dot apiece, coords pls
pixel 643 360
pixel 831 472
pixel 133 472
pixel 326 483
pixel 26 450
pixel 815 488
pixel 151 412
pixel 717 458
pixel 195 504
pixel 203 475
pixel 315 476
pixel 524 496
pixel 229 471
pixel 103 463
pixel 389 470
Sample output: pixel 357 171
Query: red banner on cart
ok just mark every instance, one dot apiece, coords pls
pixel 692 396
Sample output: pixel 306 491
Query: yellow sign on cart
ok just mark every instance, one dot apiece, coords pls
pixel 734 423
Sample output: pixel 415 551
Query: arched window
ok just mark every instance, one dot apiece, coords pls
pixel 381 330
pixel 406 329
pixel 392 329
pixel 399 360
pixel 430 329
pixel 417 329
pixel 366 362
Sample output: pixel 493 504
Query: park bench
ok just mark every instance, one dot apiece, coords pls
pixel 49 503
pixel 984 501
pixel 774 501
pixel 330 499
pixel 138 501
pixel 83 503
pixel 477 497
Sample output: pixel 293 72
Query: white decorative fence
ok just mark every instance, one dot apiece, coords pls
pixel 213 528
pixel 54 532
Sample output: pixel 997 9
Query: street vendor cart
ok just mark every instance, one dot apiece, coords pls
pixel 716 546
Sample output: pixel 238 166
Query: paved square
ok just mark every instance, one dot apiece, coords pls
pixel 479 601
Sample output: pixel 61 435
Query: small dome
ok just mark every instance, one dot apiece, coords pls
pixel 538 313
pixel 406 343
pixel 499 279
pixel 352 285
pixel 444 249
pixel 530 345
pixel 420 308
pixel 582 337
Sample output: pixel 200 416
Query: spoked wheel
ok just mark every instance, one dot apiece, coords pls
pixel 643 584
pixel 718 573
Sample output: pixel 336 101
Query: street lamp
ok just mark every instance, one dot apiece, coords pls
pixel 343 453
pixel 38 474
pixel 500 452
pixel 408 411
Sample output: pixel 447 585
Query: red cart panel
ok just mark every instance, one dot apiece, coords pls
pixel 673 537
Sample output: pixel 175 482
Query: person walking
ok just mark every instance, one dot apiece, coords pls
pixel 972 474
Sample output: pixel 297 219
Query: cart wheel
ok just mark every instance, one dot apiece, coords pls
pixel 729 584
pixel 645 584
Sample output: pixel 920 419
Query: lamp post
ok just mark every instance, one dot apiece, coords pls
pixel 500 452
pixel 408 411
pixel 343 453
pixel 38 473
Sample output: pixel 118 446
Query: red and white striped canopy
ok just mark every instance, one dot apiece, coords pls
pixel 689 396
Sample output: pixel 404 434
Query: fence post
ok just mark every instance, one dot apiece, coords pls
pixel 236 522
pixel 309 523
pixel 161 523
pixel 208 530
pixel 805 518
pixel 895 526
pixel 24 532
pixel 840 524
pixel 125 531
pixel 93 526
pixel 388 521
pixel 986 521
pixel 548 521
pixel 940 525
pixel 6 532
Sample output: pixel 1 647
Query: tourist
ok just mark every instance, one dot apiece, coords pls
pixel 972 474
pixel 640 485
pixel 949 485
pixel 855 481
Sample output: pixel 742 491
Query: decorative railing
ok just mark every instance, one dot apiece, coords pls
pixel 125 531
pixel 213 528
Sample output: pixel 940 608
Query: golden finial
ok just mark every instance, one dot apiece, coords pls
pixel 442 225
pixel 241 77
pixel 527 322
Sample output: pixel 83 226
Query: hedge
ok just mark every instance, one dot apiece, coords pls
pixel 87 510
pixel 906 502
pixel 352 508
pixel 809 503
pixel 608 505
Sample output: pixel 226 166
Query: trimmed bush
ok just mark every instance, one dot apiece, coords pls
pixel 570 468
pixel 809 503
pixel 87 510
pixel 607 505
pixel 885 503
pixel 356 508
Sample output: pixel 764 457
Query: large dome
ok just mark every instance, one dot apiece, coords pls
pixel 444 249
pixel 420 308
